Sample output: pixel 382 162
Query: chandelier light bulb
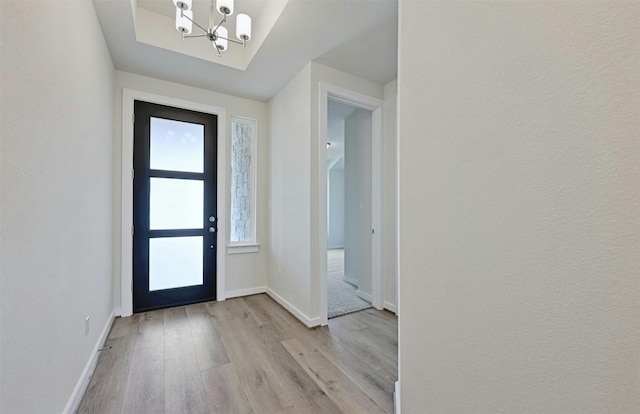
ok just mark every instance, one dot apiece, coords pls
pixel 184 25
pixel 243 27
pixel 221 33
pixel 225 7
pixel 183 4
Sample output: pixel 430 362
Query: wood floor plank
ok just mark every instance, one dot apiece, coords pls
pixel 344 392
pixel 288 410
pixel 208 345
pixel 105 391
pixel 239 308
pixel 219 310
pixel 382 322
pixel 388 347
pixel 282 323
pixel 258 380
pixel 304 393
pixel 346 323
pixel 230 309
pixel 147 328
pixel 368 351
pixel 177 334
pixel 358 370
pixel 381 331
pixel 256 304
pixel 223 391
pixel 183 389
pixel 121 327
pixel 144 392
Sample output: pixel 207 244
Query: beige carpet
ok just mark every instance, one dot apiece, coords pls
pixel 341 296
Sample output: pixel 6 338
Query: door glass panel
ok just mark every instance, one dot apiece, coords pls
pixel 176 146
pixel 176 204
pixel 175 262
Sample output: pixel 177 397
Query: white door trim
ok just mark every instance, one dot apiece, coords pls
pixel 126 252
pixel 375 106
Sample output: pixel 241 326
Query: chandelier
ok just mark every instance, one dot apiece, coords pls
pixel 217 34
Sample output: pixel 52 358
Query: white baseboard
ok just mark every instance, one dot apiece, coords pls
pixel 396 398
pixel 350 280
pixel 245 292
pixel 389 306
pixel 83 382
pixel 310 323
pixel 364 296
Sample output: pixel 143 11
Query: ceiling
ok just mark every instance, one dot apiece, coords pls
pixel 354 36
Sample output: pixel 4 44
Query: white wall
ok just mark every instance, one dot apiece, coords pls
pixel 244 272
pixel 290 125
pixel 519 221
pixel 335 129
pixel 336 207
pixel 56 188
pixel 389 184
pixel 357 171
pixel 335 182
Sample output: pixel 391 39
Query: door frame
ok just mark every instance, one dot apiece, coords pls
pixel 126 251
pixel 375 105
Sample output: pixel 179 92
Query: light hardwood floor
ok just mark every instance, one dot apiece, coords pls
pixel 245 355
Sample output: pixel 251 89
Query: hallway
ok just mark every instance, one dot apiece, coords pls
pixel 245 355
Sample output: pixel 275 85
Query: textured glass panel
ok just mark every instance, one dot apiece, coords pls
pixel 176 145
pixel 175 262
pixel 176 204
pixel 241 133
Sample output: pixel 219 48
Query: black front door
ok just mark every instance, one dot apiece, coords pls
pixel 174 211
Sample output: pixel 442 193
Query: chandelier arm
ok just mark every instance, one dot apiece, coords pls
pixel 217 49
pixel 224 19
pixel 231 40
pixel 210 33
pixel 212 20
pixel 194 22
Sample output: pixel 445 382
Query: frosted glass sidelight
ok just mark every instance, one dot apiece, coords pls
pixel 176 146
pixel 241 181
pixel 176 204
pixel 175 262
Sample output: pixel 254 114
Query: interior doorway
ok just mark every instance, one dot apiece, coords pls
pixel 349 279
pixel 366 192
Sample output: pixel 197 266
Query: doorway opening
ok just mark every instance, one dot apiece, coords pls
pixel 349 279
pixel 364 212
